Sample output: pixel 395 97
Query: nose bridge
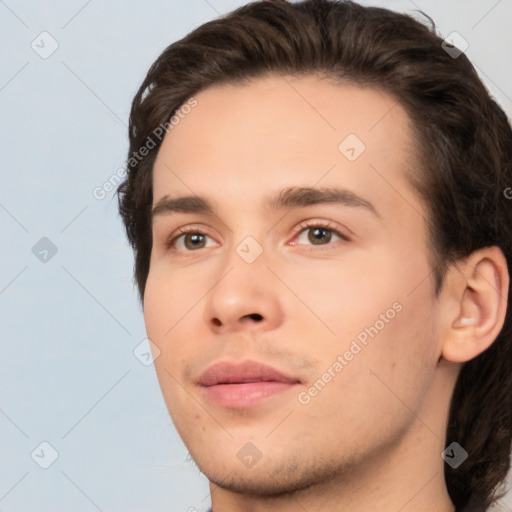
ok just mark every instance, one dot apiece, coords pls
pixel 246 254
pixel 244 293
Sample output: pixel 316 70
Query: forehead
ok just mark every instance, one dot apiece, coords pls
pixel 281 131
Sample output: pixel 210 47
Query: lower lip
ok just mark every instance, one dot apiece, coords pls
pixel 245 394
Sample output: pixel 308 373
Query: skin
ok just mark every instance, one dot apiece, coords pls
pixel 371 439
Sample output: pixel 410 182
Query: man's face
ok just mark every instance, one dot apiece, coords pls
pixel 337 296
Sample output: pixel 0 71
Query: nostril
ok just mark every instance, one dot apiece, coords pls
pixel 256 316
pixel 216 322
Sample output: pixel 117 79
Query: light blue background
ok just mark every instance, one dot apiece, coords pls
pixel 68 375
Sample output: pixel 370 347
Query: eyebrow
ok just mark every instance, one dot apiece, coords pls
pixel 289 198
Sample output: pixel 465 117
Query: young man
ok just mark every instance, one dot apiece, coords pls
pixel 322 243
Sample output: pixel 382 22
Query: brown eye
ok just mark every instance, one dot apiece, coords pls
pixel 194 240
pixel 317 236
pixel 189 240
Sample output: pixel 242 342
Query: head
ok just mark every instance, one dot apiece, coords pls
pixel 425 236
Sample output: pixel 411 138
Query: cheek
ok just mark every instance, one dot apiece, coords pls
pixel 380 322
pixel 163 308
pixel 342 298
pixel 156 314
pixel 171 308
pixel 168 297
pixel 162 312
pixel 380 383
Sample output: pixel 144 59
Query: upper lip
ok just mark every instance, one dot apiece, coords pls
pixel 227 372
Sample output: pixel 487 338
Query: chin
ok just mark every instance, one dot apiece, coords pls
pixel 266 480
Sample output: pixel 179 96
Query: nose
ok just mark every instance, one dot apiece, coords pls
pixel 256 317
pixel 244 298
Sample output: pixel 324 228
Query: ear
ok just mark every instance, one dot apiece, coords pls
pixel 478 297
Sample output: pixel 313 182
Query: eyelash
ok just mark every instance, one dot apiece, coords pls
pixel 171 242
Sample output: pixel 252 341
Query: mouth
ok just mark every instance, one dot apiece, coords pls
pixel 243 385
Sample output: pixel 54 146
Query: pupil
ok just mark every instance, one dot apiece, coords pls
pixel 318 234
pixel 193 239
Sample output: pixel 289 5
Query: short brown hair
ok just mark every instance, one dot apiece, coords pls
pixel 464 143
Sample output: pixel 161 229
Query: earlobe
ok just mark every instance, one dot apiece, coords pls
pixel 480 312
